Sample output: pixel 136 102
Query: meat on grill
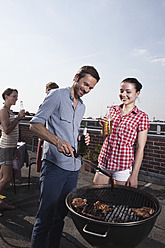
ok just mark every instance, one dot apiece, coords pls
pixel 144 212
pixel 79 203
pixel 104 208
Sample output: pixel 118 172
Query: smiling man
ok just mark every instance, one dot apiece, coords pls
pixel 62 110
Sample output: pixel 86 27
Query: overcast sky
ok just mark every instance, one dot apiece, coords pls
pixel 49 40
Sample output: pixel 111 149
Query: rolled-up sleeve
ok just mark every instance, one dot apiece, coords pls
pixel 48 106
pixel 144 123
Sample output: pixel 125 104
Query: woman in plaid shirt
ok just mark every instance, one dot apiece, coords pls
pixel 117 153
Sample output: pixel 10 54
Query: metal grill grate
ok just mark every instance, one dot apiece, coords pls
pixel 120 201
pixel 117 214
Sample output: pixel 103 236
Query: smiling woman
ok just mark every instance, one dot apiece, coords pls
pixel 117 153
pixel 8 140
pixel 129 91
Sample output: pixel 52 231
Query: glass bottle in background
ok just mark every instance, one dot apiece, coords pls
pixel 22 106
pixel 82 145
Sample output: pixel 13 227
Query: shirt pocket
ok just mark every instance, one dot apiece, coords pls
pixel 65 116
pixel 127 133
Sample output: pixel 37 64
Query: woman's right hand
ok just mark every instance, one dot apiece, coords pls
pixel 103 120
pixel 21 113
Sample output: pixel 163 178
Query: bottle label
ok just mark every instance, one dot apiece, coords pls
pixel 85 131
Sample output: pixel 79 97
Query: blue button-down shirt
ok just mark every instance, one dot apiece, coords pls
pixel 64 121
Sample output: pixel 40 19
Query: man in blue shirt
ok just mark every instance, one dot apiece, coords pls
pixel 62 110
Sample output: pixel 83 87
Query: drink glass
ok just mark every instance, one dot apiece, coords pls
pixel 107 125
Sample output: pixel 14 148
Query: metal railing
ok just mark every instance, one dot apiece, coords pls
pixel 156 128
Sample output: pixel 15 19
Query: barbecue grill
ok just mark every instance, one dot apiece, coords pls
pixel 120 227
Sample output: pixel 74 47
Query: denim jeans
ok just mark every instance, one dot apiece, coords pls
pixel 56 183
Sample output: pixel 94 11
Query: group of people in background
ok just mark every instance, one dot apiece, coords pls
pixel 57 124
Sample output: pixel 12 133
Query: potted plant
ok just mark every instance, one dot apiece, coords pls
pixel 93 157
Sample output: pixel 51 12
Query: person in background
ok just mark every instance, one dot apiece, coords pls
pixel 8 140
pixel 49 86
pixel 117 153
pixel 62 110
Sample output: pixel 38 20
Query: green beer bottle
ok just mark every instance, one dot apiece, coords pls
pixel 82 145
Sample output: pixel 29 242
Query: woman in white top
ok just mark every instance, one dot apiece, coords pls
pixel 8 140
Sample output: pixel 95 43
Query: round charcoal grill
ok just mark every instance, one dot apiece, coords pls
pixel 120 227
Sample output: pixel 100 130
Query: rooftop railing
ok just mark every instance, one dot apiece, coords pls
pixel 156 128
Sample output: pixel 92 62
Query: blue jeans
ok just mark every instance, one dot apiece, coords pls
pixel 56 183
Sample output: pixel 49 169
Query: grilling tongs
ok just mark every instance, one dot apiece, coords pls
pixel 97 168
pixel 92 165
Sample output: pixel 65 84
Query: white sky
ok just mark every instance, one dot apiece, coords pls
pixel 49 40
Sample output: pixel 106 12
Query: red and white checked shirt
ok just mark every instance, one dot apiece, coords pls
pixel 117 150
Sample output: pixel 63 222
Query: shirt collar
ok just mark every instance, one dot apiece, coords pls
pixel 135 110
pixel 71 97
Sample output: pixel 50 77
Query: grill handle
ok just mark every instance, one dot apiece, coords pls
pixel 95 234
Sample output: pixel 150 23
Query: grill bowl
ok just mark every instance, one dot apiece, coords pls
pixel 118 231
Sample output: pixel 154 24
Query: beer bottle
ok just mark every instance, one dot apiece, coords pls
pixel 22 106
pixel 82 144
